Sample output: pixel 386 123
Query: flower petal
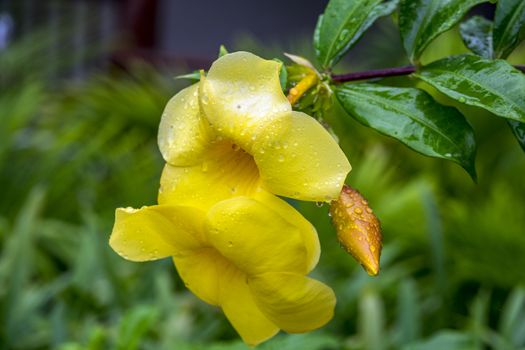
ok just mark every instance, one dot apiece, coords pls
pixel 255 238
pixel 242 312
pixel 216 281
pixel 290 214
pixel 156 232
pixel 183 134
pixel 303 162
pixel 226 171
pixel 295 303
pixel 201 271
pixel 242 94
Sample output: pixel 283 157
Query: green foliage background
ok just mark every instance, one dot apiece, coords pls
pixel 453 268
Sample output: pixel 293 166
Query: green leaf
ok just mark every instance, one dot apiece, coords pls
pixel 445 339
pixel 283 74
pixel 512 316
pixel 477 36
pixel 414 118
pixel 342 25
pixel 518 129
pixel 194 76
pixel 421 21
pixel 409 313
pixel 222 51
pixel 490 84
pixel 509 26
pixel 372 320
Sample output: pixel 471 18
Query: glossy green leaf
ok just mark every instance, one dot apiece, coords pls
pixel 421 21
pixel 509 26
pixel 477 36
pixel 414 118
pixel 490 84
pixel 342 25
pixel 518 129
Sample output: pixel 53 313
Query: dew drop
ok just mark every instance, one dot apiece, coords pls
pixel 319 204
pixel 358 210
pixel 344 34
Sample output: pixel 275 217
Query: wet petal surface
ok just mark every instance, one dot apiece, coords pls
pixel 299 159
pixel 293 302
pixel 255 238
pixel 242 94
pixel 156 232
pixel 184 134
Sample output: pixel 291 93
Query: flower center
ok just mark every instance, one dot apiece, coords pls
pixel 236 168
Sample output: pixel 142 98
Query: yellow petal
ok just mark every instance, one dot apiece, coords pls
pixel 295 303
pixel 226 171
pixel 156 232
pixel 303 162
pixel 183 134
pixel 242 312
pixel 216 281
pixel 201 271
pixel 290 214
pixel 255 238
pixel 242 94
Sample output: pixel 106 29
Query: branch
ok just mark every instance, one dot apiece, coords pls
pixel 383 73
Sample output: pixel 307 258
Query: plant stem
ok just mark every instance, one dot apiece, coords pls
pixel 382 73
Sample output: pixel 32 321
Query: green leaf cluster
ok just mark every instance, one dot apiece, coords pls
pixel 411 115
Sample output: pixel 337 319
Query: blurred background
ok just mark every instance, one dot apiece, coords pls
pixel 82 88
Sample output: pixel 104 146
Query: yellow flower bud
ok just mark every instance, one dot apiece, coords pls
pixel 358 229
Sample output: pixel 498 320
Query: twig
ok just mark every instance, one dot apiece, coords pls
pixel 382 73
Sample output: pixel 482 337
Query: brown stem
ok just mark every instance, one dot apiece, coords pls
pixel 382 73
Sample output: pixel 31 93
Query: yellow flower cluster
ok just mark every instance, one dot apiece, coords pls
pixel 232 144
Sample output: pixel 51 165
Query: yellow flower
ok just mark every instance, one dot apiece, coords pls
pixel 232 143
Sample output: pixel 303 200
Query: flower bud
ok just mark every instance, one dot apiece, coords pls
pixel 358 229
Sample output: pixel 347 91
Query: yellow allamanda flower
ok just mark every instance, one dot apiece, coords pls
pixel 232 143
